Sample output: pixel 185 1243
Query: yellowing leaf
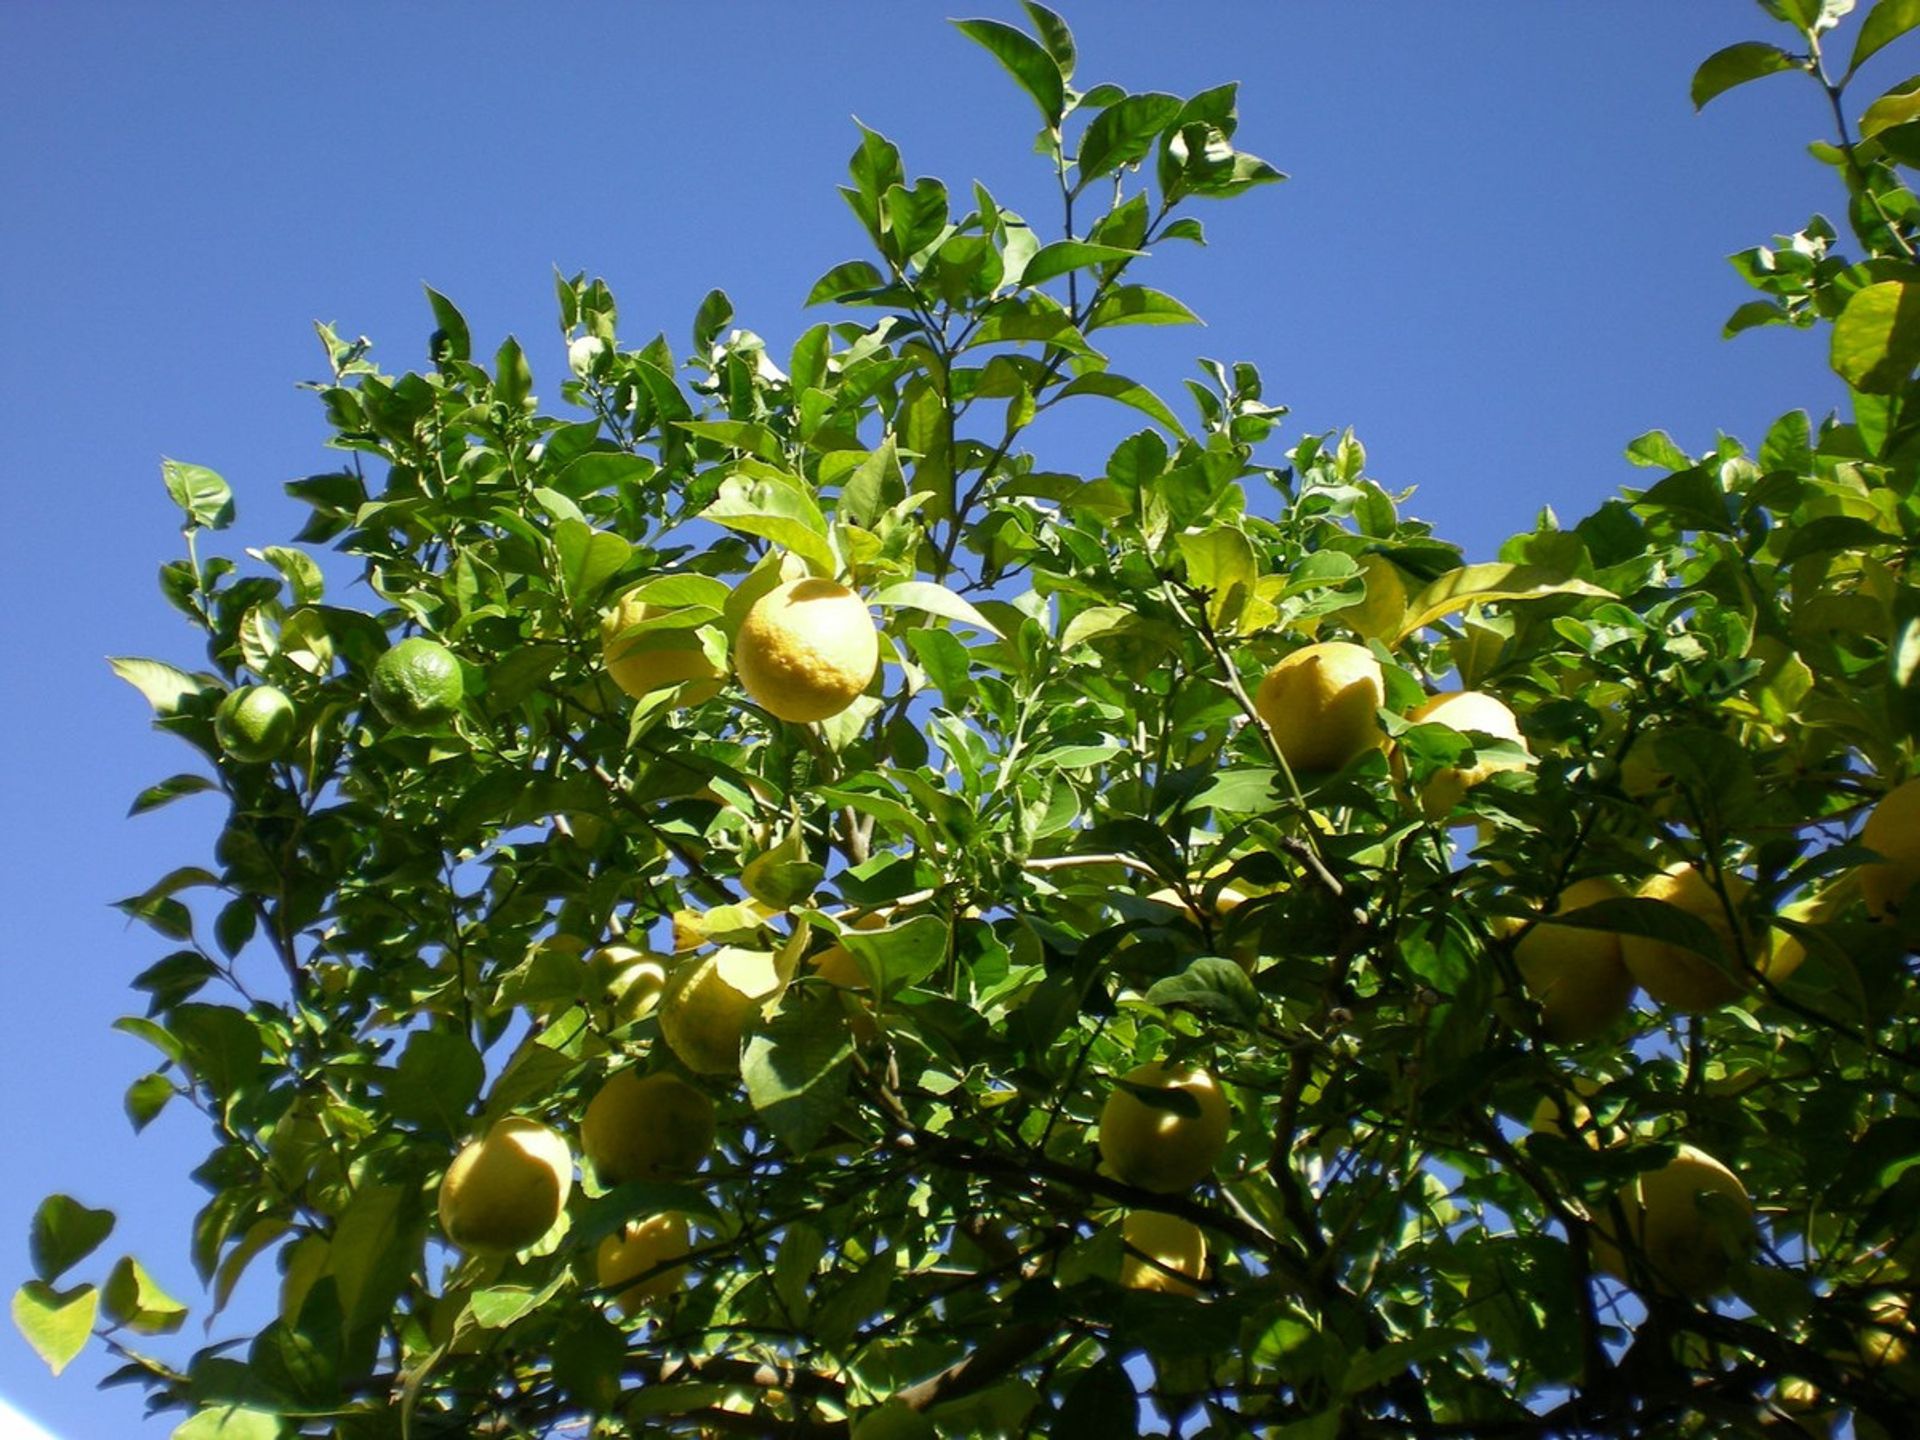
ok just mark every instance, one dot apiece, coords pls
pixel 1484 584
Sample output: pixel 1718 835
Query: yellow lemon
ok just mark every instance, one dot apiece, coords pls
pixel 653 659
pixel 806 650
pixel 506 1189
pixel 1691 1220
pixel 1576 975
pixel 624 984
pixel 1159 1147
pixel 1893 831
pixel 651 1127
pixel 1178 1245
pixel 708 1003
pixel 1320 702
pixel 637 1251
pixel 1465 710
pixel 1679 977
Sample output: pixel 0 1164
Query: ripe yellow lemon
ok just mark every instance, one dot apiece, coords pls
pixel 1554 1112
pixel 1893 830
pixel 1178 1245
pixel 806 650
pixel 1576 975
pixel 1246 952
pixel 417 683
pixel 708 1003
pixel 1379 613
pixel 646 1127
pixel 644 1245
pixel 255 723
pixel 1320 702
pixel 1676 976
pixel 624 984
pixel 1691 1220
pixel 653 659
pixel 1465 710
pixel 506 1189
pixel 1159 1147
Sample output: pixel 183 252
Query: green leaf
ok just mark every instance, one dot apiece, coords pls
pixel 1876 340
pixel 166 688
pixel 1649 919
pixel 1827 533
pixel 797 1066
pixel 133 1298
pixel 1026 60
pixel 934 600
pixel 1657 449
pixel 205 498
pixel 1484 584
pixel 231 1422
pixel 1221 562
pixel 1213 986
pixel 1898 107
pixel 1886 22
pixel 1055 35
pixel 1248 791
pixel 169 790
pixel 1736 65
pixel 437 1080
pixel 1127 392
pixel 498 1306
pixel 56 1323
pixel 63 1233
pixel 775 509
pixel 513 378
pixel 1123 133
pixel 1054 260
pixel 588 558
pixel 1137 305
pixel 746 435
pixel 899 956
pixel 455 340
pixel 299 569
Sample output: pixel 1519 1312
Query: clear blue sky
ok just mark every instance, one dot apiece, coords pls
pixel 1501 257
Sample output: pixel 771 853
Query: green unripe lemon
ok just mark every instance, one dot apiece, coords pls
pixel 255 723
pixel 418 682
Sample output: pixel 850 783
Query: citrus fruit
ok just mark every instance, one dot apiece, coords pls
pixel 646 1127
pixel 1320 704
pixel 1892 831
pixel 1178 1245
pixel 653 659
pixel 708 1003
pixel 506 1189
pixel 806 649
pixel 254 723
pixel 583 354
pixel 1691 1219
pixel 417 682
pixel 1164 1147
pixel 636 1251
pixel 1675 975
pixel 1465 710
pixel 1576 975
pixel 624 983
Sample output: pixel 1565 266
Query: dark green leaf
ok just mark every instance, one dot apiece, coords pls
pixel 132 1298
pixel 1124 133
pixel 1127 392
pixel 1055 260
pixel 1736 65
pixel 1886 22
pixel 454 342
pixel 1055 35
pixel 169 790
pixel 797 1066
pixel 1026 60
pixel 437 1080
pixel 1213 986
pixel 65 1232
pixel 1137 305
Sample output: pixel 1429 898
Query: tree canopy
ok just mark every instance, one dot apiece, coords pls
pixel 620 1006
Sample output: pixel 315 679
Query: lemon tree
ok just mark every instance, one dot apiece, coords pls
pixel 801 906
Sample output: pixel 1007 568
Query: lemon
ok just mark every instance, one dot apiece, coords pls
pixel 651 1127
pixel 806 650
pixel 1556 1110
pixel 417 683
pixel 1157 1147
pixel 254 723
pixel 636 1251
pixel 1245 953
pixel 1465 710
pixel 1675 975
pixel 1690 1219
pixel 654 659
pixel 1377 615
pixel 506 1189
pixel 1577 976
pixel 708 1003
pixel 1178 1245
pixel 624 983
pixel 1320 704
pixel 1893 831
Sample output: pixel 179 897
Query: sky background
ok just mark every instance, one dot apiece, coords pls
pixel 1501 256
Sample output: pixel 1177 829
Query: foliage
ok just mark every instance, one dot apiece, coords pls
pixel 393 945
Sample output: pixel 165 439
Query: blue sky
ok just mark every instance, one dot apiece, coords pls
pixel 1500 258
